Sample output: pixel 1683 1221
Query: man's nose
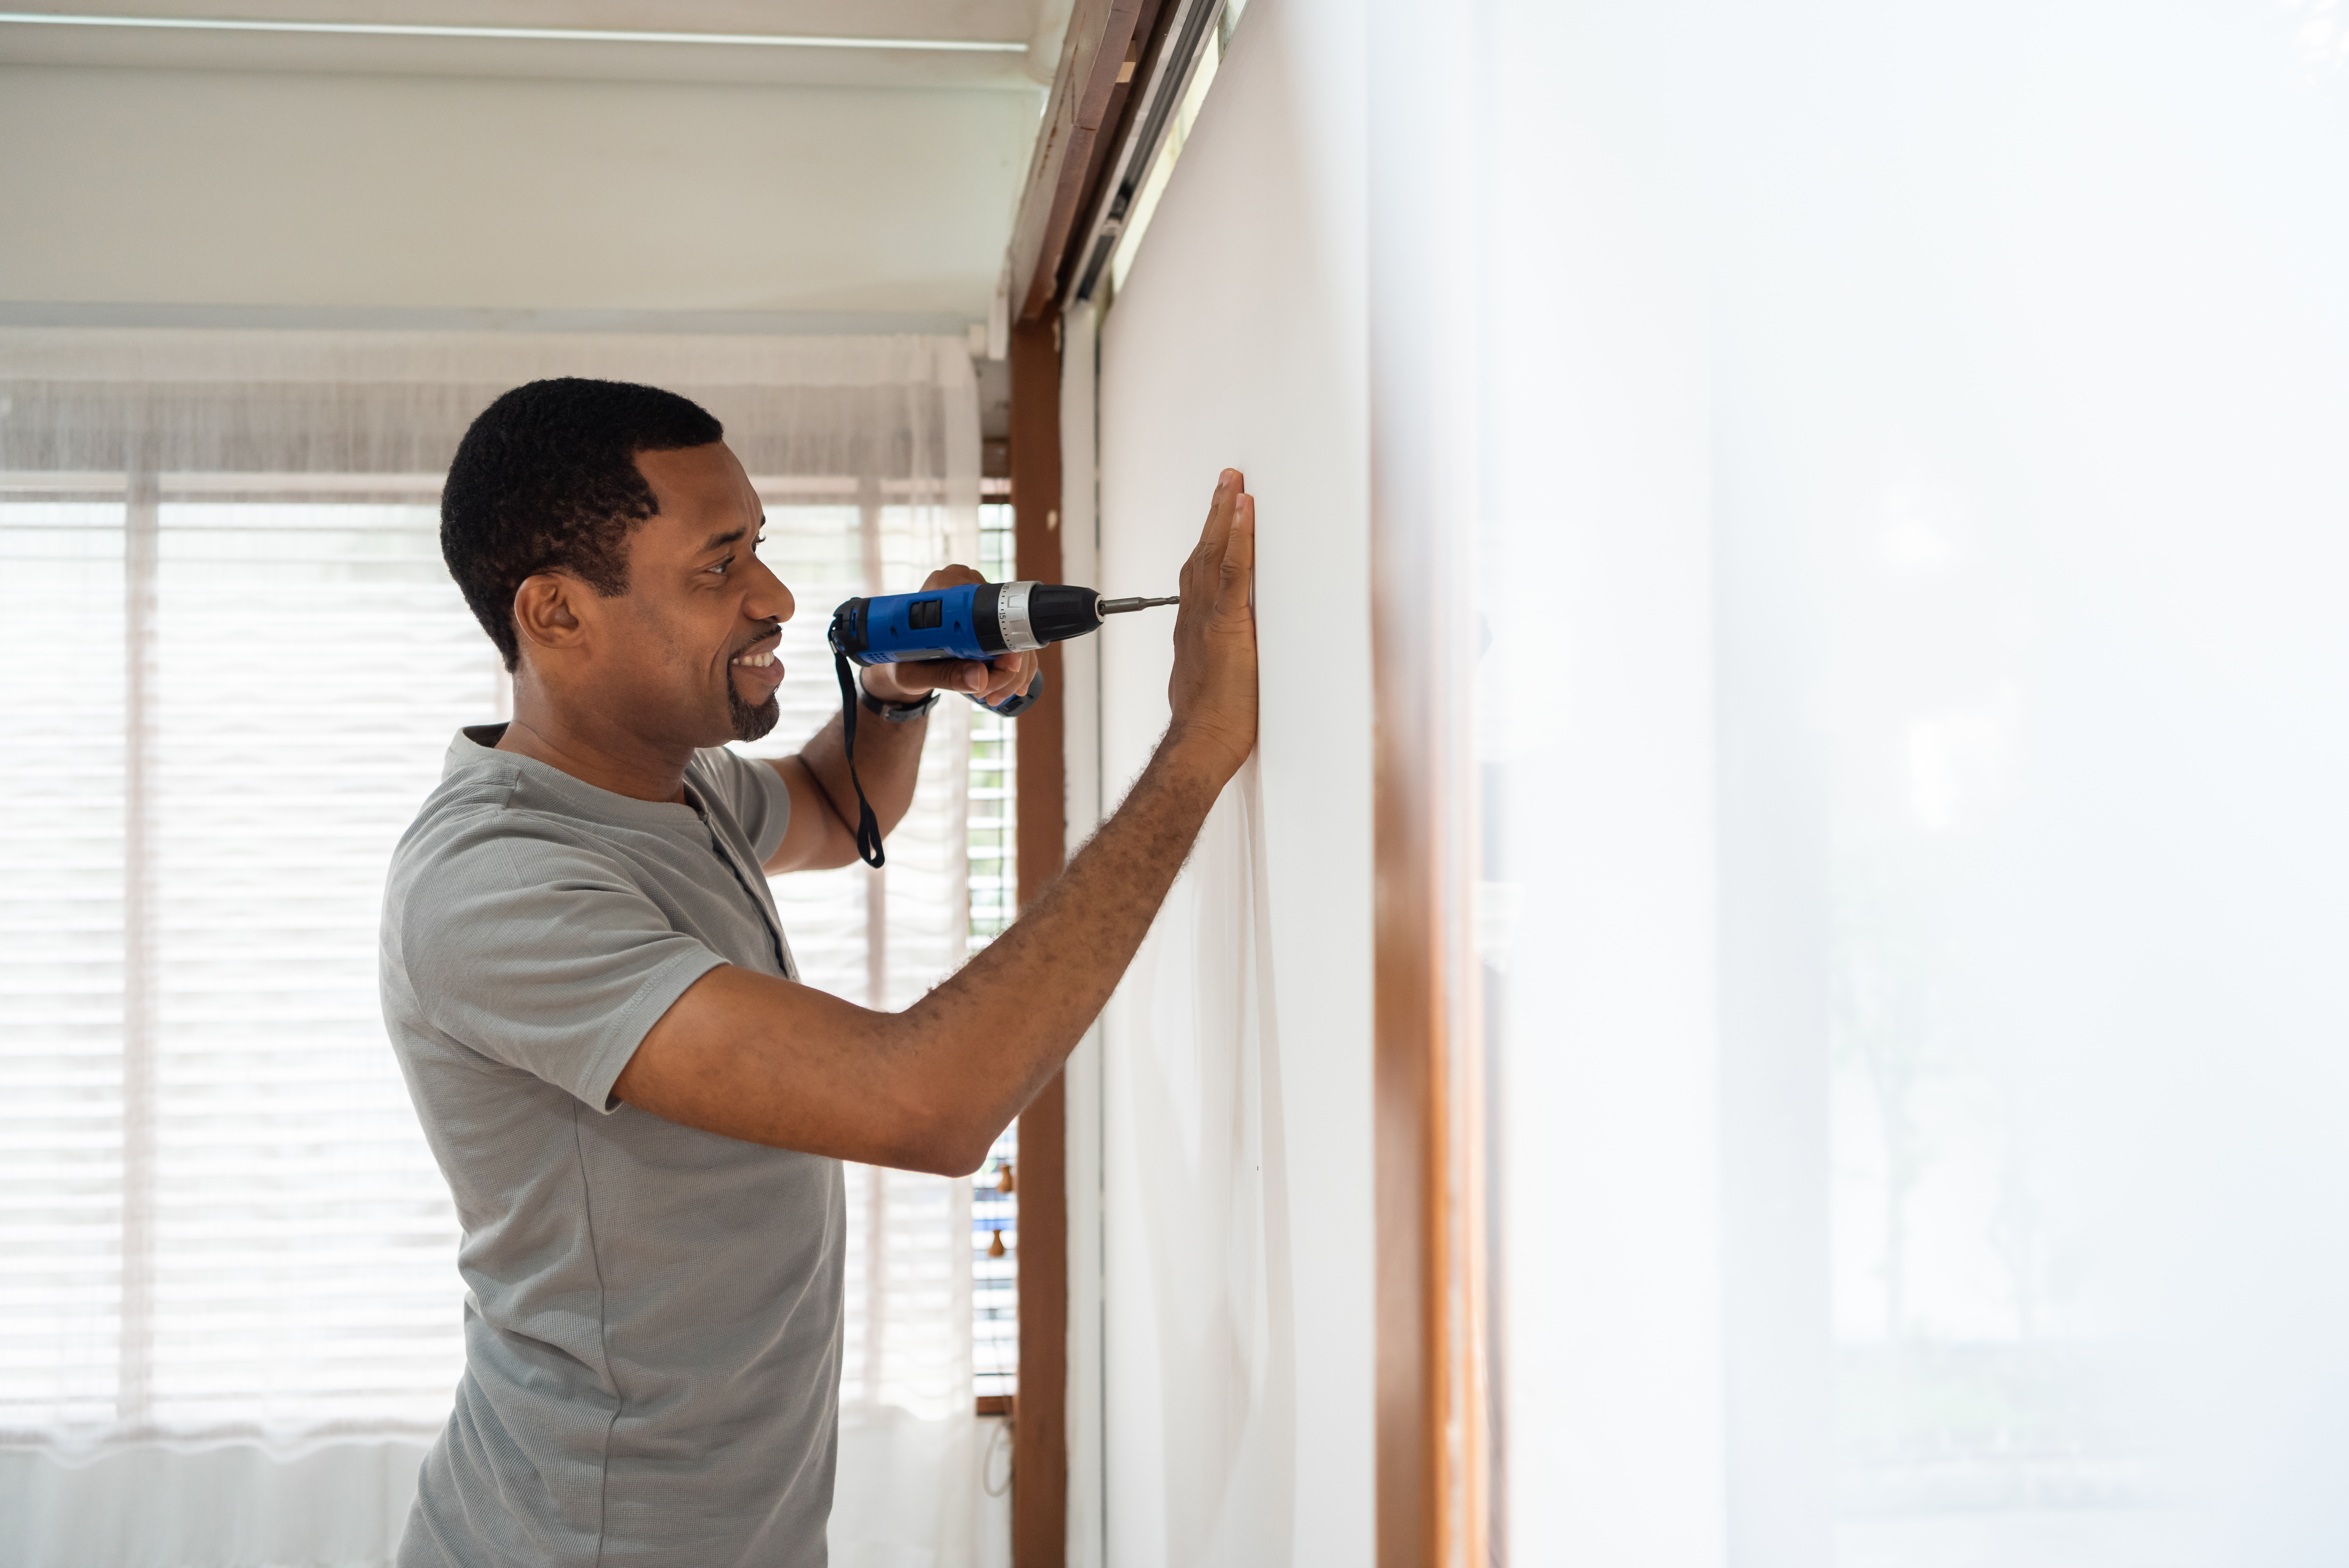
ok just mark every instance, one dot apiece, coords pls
pixel 768 600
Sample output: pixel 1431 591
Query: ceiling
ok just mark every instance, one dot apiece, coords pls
pixel 209 171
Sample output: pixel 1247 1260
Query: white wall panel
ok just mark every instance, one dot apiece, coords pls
pixel 1238 1071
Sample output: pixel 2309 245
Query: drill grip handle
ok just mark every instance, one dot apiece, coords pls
pixel 1019 702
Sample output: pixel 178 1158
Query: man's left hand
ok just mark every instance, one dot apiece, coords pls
pixel 993 679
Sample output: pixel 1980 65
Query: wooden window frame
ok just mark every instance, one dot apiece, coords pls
pixel 1039 1408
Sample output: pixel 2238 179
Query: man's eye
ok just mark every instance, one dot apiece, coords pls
pixel 721 566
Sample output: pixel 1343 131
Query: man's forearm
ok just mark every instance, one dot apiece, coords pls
pixel 994 1034
pixel 929 1089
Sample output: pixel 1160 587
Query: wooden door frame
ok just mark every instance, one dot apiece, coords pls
pixel 1040 1435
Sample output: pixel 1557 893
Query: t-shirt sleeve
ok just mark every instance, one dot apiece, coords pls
pixel 543 955
pixel 755 793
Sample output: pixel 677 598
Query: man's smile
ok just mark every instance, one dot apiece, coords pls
pixel 758 663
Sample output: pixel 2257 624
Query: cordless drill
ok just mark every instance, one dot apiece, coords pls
pixel 972 621
pixel 969 621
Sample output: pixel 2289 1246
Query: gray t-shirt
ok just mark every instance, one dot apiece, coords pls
pixel 652 1313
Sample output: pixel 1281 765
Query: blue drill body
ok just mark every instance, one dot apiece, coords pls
pixel 882 629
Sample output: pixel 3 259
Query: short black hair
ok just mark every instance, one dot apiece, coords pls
pixel 546 480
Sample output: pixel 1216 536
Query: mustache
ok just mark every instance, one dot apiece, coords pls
pixel 773 628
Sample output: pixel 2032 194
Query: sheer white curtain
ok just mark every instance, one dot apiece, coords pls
pixel 228 1308
pixel 1912 553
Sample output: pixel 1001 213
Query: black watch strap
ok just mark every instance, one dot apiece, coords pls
pixel 895 712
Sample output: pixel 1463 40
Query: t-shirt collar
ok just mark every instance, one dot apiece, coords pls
pixel 476 746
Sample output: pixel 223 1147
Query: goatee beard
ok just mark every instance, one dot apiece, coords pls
pixel 750 723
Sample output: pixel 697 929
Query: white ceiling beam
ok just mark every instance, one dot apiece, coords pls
pixel 890 43
pixel 528 35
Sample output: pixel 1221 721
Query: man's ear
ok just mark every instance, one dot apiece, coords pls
pixel 544 612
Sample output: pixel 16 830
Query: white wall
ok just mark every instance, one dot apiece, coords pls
pixel 1238 1233
pixel 260 188
pixel 1081 694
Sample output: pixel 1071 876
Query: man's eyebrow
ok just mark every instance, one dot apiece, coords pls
pixel 715 539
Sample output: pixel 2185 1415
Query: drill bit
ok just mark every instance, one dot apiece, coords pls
pixel 1120 606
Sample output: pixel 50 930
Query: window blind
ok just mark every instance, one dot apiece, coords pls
pixel 220 1216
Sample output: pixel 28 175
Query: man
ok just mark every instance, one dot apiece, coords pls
pixel 639 1110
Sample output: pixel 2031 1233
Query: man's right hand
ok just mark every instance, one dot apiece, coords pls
pixel 1213 687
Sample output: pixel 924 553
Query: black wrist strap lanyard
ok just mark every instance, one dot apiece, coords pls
pixel 868 830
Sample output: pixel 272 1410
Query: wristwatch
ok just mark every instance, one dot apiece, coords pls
pixel 895 712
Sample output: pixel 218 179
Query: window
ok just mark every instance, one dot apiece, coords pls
pixel 226 696
pixel 223 702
